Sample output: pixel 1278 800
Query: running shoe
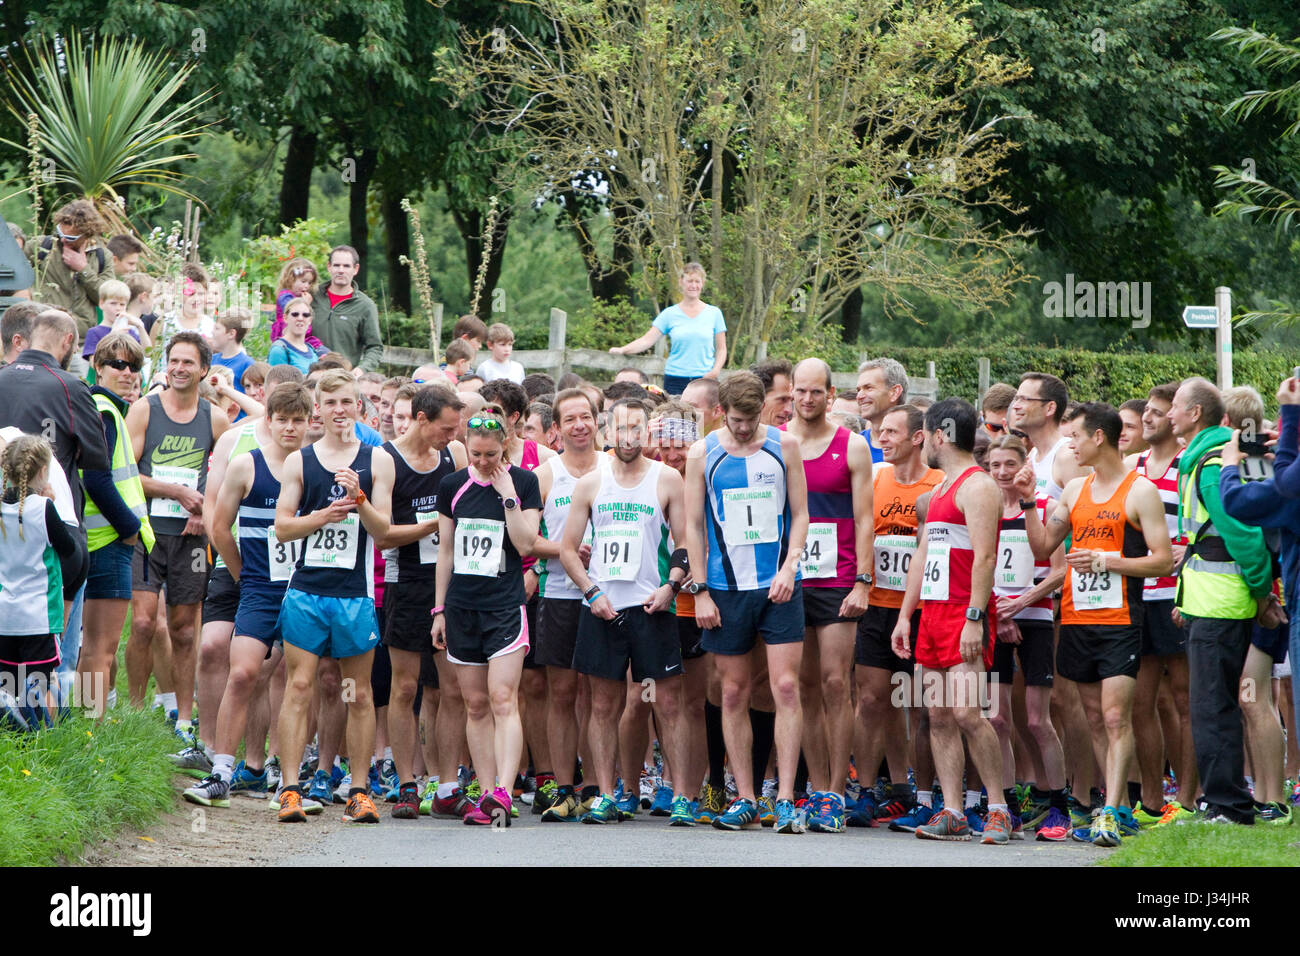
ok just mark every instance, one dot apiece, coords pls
pixel 1128 825
pixel 1174 812
pixel 321 791
pixel 1080 816
pixel 975 818
pixel 338 773
pixel 375 783
pixel 544 796
pixel 1017 825
pixel 831 817
pixel 769 788
pixel 1055 827
pixel 309 807
pixel 947 824
pixel 1105 831
pixel 627 804
pixel 1033 810
pixel 426 799
pixel 997 828
pixel 211 792
pixel 741 813
pixel 339 790
pixel 1143 818
pixel 604 810
pixel 1295 794
pixel 788 818
pixel 563 810
pixel 498 803
pixel 360 809
pixel 388 773
pixel 662 806
pixel 192 761
pixel 767 811
pixel 713 802
pixel 310 759
pixel 407 806
pixel 475 790
pixel 247 783
pixel 289 803
pixel 456 805
pixel 647 789
pixel 683 814
pixel 273 775
pixel 891 809
pixel 1275 813
pixel 862 813
pixel 918 816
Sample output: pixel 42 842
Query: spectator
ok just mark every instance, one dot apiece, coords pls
pixel 126 250
pixel 228 331
pixel 193 288
pixel 697 331
pixel 70 267
pixel 569 380
pixel 501 342
pixel 253 382
pixel 343 317
pixel 16 327
pixel 292 347
pixel 458 356
pixel 144 291
pixel 114 295
pixel 297 280
pixel 470 383
pixel 537 384
pixel 472 329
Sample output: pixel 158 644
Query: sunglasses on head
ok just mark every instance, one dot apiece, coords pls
pixel 122 364
pixel 995 427
pixel 490 424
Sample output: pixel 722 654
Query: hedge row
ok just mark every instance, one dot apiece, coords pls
pixel 1111 376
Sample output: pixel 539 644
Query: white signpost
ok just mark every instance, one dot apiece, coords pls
pixel 1219 318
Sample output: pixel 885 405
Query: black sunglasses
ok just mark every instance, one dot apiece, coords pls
pixel 301 315
pixel 122 364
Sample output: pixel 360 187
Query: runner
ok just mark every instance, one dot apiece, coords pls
pixel 1109 515
pixel 897 482
pixel 1024 587
pixel 335 495
pixel 747 521
pixel 489 516
pixel 632 507
pixel 951 577
pixel 836 569
pixel 568 692
pixel 172 433
pixel 422 457
pixel 882 385
pixel 259 566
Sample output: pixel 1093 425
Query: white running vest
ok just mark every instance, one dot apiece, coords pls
pixel 31 581
pixel 553 582
pixel 629 557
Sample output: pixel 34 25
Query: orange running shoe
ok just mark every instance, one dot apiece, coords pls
pixel 360 809
pixel 291 807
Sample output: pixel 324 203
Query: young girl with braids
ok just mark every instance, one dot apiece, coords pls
pixel 34 546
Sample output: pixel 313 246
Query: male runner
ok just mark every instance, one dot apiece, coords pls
pixel 702 395
pixel 747 524
pixel 1118 537
pixel 882 385
pixel 952 578
pixel 260 566
pixel 632 506
pixel 336 494
pixel 836 570
pixel 898 482
pixel 560 606
pixel 172 433
pixel 422 457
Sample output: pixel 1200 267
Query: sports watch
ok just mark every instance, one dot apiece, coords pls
pixel 974 614
pixel 695 587
pixel 510 504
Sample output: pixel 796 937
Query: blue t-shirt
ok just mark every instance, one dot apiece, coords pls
pixel 368 436
pixel 97 332
pixel 877 455
pixel 282 353
pixel 693 346
pixel 238 364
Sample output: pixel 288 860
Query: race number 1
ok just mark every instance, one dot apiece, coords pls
pixel 749 516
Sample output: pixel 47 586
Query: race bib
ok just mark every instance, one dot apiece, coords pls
pixel 334 546
pixel 821 552
pixel 170 507
pixel 934 585
pixel 616 554
pixel 429 543
pixel 1015 568
pixel 893 558
pixel 1096 591
pixel 477 547
pixel 749 516
pixel 281 556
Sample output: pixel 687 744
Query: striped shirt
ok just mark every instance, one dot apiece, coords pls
pixel 747 513
pixel 1163 589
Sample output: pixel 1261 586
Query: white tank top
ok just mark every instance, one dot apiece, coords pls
pixel 31 580
pixel 629 558
pixel 1047 486
pixel 552 582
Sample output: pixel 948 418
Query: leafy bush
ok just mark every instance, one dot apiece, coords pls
pixel 603 325
pixel 265 256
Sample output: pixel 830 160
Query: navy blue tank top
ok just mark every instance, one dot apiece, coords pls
pixel 267 563
pixel 415 501
pixel 338 559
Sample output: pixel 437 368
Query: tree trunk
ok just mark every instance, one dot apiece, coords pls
pixel 397 243
pixel 295 184
pixel 358 225
pixel 851 317
pixel 470 224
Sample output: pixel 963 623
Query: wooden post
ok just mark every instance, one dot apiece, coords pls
pixel 555 341
pixel 984 381
pixel 185 231
pixel 1223 336
pixel 929 369
pixel 436 345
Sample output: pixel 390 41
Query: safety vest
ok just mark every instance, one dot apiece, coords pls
pixel 126 478
pixel 1210 583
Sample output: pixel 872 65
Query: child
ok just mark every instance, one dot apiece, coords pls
pixel 471 329
pixel 253 381
pixel 37 553
pixel 292 348
pixel 114 297
pixel 144 295
pixel 228 331
pixel 193 289
pixel 297 279
pixel 458 355
pixel 501 342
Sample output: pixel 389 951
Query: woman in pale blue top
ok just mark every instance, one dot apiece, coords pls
pixel 696 330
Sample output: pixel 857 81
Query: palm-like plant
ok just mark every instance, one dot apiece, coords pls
pixel 105 118
pixel 1246 195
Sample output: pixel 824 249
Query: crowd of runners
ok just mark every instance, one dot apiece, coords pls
pixel 756 601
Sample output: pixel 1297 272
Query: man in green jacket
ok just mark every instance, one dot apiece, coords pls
pixel 69 266
pixel 343 317
pixel 1224 585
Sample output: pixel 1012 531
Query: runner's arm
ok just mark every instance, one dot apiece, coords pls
pixel 225 511
pixel 446 555
pixel 544 547
pixel 981 502
pixel 217 467
pixel 862 482
pixel 915 571
pixel 376 512
pixel 796 485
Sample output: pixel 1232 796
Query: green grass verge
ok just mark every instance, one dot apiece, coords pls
pixel 1193 844
pixel 80 782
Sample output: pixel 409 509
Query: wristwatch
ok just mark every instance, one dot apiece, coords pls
pixel 510 504
pixel 1026 505
pixel 863 579
pixel 695 587
pixel 974 614
pixel 675 585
